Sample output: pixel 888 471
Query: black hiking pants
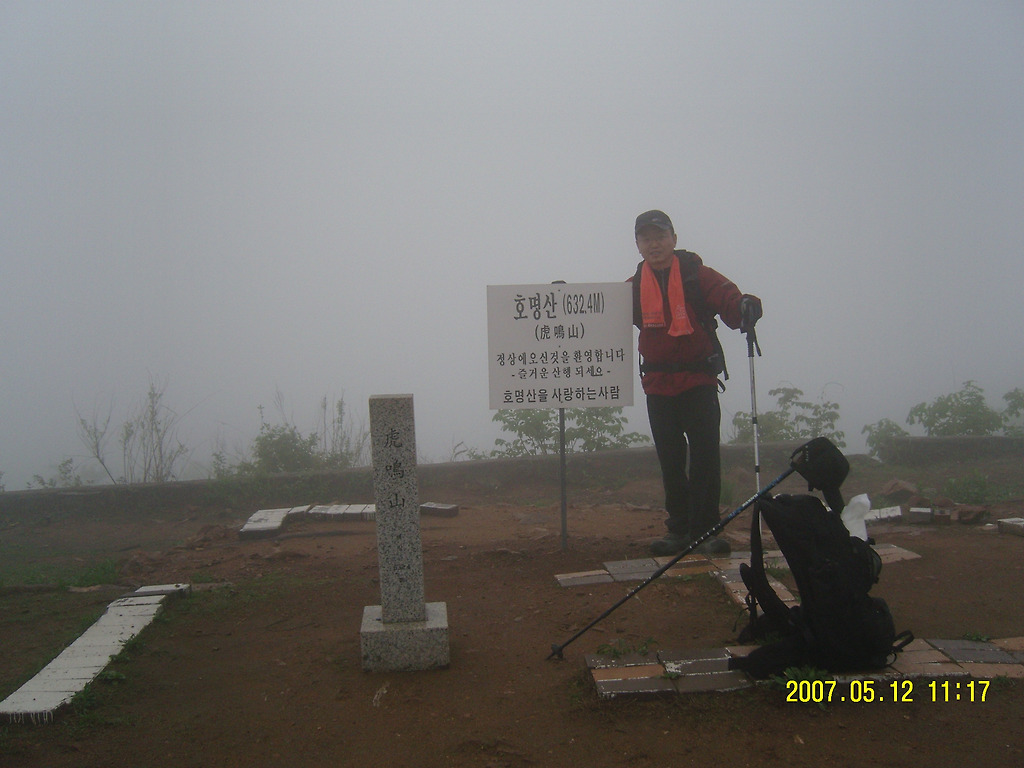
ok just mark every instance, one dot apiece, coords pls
pixel 686 427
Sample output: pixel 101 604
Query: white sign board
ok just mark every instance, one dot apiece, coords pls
pixel 560 345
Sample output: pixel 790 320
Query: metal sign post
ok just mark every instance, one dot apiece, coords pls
pixel 563 478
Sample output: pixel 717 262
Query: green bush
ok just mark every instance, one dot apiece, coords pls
pixel 880 436
pixel 959 413
pixel 972 489
pixel 792 419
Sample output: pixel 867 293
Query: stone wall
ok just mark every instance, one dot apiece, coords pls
pixel 916 451
pixel 489 475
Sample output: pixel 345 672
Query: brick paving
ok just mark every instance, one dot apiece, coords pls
pixel 703 670
pixel 685 671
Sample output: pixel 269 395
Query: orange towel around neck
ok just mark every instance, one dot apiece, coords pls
pixel 652 303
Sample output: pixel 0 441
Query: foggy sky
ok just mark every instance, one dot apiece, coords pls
pixel 240 198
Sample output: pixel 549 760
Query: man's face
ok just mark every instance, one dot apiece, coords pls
pixel 656 245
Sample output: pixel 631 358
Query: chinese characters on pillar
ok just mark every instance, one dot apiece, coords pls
pixel 394 468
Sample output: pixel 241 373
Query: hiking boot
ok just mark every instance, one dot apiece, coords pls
pixel 672 544
pixel 714 546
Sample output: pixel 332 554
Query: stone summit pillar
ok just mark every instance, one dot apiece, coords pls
pixel 403 633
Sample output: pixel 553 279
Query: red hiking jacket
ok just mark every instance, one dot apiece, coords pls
pixel 722 298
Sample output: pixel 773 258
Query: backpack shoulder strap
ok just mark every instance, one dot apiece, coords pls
pixel 689 267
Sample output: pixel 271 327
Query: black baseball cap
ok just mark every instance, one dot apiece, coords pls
pixel 654 218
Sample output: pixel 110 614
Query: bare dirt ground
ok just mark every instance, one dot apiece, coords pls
pixel 264 670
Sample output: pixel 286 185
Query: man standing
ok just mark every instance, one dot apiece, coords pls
pixel 675 300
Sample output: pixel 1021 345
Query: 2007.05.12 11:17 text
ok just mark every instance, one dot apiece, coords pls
pixel 896 691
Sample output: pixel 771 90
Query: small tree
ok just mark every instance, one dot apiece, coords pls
pixel 535 430
pixel 150 449
pixel 66 477
pixel 792 419
pixel 959 413
pixel 599 429
pixel 587 429
pixel 1013 415
pixel 342 445
pixel 284 448
pixel 880 436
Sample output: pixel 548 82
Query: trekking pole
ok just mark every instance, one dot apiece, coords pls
pixel 815 460
pixel 751 346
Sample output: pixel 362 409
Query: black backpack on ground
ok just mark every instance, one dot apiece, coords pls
pixel 838 626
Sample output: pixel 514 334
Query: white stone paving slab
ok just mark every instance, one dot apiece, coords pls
pixel 80 663
pixel 36 706
pixel 1012 525
pixel 264 522
pixel 62 684
pixel 63 673
pixel 107 639
pixel 267 522
pixel 343 512
pixel 886 513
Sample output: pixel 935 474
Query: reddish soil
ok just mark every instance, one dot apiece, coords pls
pixel 265 670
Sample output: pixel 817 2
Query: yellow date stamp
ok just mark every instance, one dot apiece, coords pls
pixel 893 691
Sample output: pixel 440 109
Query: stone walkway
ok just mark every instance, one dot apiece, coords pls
pixel 82 661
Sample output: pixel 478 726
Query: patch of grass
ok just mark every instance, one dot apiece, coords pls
pixel 112 676
pixel 94 706
pixel 970 489
pixel 977 637
pixel 38 626
pixel 134 646
pixel 801 673
pixel 241 594
pixel 105 571
pixel 620 648
pixel 198 577
pixel 796 674
pixel 579 687
pixel 203 603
